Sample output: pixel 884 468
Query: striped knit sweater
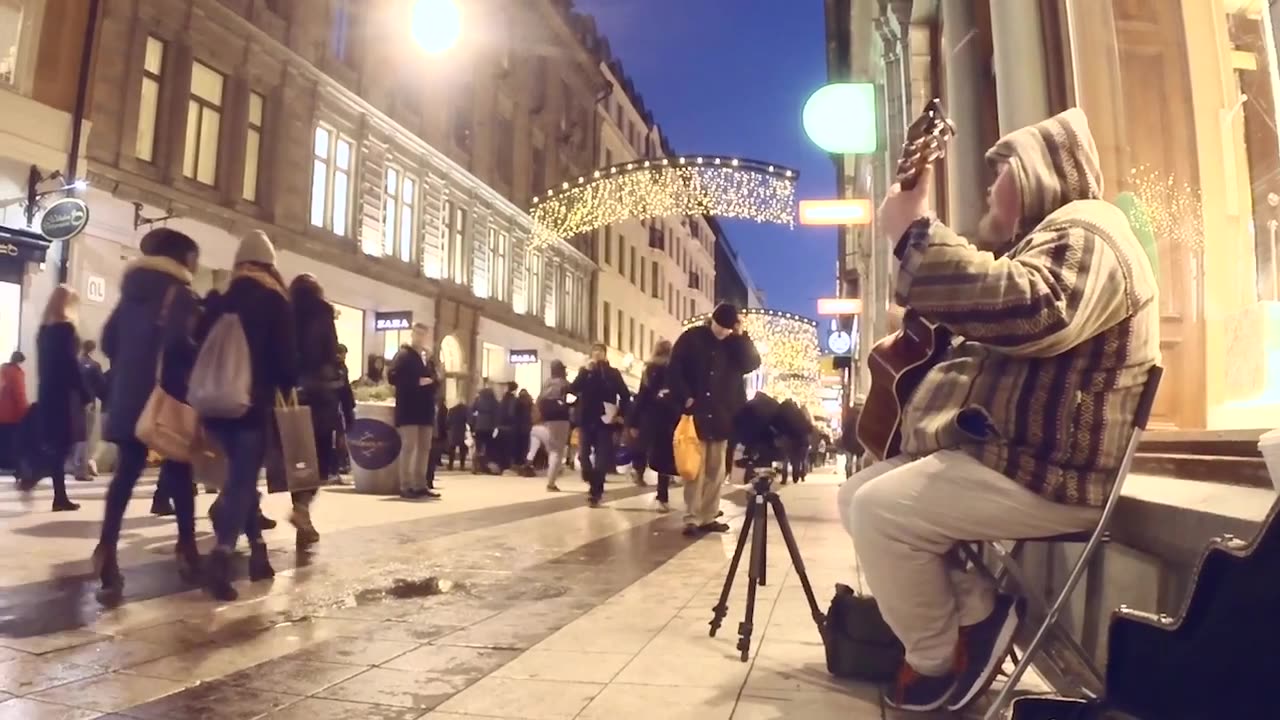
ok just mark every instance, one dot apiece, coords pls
pixel 1059 330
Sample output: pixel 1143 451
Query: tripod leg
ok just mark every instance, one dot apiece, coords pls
pixel 780 514
pixel 753 575
pixel 764 550
pixel 722 607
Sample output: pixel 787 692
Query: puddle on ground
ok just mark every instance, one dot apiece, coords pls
pixel 409 589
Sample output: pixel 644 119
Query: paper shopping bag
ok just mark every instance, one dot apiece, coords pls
pixel 291 451
pixel 688 449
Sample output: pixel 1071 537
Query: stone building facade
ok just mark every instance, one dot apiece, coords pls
pixel 398 178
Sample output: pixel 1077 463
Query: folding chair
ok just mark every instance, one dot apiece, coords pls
pixel 1010 564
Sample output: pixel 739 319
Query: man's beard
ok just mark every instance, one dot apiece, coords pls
pixel 991 236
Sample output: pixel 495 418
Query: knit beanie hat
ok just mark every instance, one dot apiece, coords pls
pixel 725 315
pixel 256 247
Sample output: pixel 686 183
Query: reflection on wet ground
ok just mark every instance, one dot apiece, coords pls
pixel 515 606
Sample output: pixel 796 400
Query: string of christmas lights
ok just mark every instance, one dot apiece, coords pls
pixel 1173 208
pixel 702 185
pixel 789 351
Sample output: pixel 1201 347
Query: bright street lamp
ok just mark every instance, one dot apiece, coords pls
pixel 436 25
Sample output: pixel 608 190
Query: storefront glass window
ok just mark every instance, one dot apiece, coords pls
pixel 349 322
pixel 11 298
pixel 10 33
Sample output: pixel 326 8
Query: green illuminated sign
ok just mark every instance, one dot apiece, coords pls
pixel 841 118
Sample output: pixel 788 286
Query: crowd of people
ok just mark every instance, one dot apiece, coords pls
pixel 153 340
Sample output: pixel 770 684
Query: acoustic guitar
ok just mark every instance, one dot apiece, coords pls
pixel 899 362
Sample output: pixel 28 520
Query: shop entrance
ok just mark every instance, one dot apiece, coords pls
pixel 11 301
pixel 451 367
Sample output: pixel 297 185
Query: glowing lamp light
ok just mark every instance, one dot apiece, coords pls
pixel 854 211
pixel 841 118
pixel 839 306
pixel 436 25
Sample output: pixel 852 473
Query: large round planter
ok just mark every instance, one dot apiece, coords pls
pixel 374 445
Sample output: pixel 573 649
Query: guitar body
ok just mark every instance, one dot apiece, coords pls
pixel 897 365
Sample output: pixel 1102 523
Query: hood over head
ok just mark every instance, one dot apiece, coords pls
pixel 1055 162
pixel 150 276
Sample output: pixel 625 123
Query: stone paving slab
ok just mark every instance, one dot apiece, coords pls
pixel 550 610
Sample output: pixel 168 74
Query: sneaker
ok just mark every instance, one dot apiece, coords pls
pixel 526 470
pixel 914 692
pixel 661 507
pixel 552 487
pixel 985 645
pixel 692 531
pixel 714 527
pixel 638 479
pixel 430 494
pixel 593 502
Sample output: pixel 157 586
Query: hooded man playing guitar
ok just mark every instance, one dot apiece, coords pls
pixel 1018 429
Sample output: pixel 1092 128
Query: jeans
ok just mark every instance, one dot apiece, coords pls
pixel 174 485
pixel 245 445
pixel 599 438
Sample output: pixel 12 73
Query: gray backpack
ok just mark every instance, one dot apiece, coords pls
pixel 222 379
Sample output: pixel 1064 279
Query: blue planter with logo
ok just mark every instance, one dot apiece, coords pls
pixel 374 445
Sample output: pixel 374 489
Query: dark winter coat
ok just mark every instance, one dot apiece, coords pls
pixel 552 404
pixel 595 385
pixel 653 417
pixel 139 331
pixel 60 393
pixel 95 381
pixel 508 412
pixel 441 439
pixel 484 412
pixel 265 314
pixel 415 402
pixel 320 374
pixel 457 420
pixel 524 413
pixel 346 396
pixel 709 372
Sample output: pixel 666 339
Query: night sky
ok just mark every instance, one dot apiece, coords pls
pixel 730 77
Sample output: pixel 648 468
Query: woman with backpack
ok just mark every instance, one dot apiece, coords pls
pixel 321 383
pixel 60 394
pixel 148 339
pixel 256 304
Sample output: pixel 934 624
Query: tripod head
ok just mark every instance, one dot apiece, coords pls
pixel 762 479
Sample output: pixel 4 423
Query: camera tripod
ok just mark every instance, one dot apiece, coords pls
pixel 760 498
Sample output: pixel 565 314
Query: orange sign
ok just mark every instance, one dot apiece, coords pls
pixel 854 211
pixel 840 306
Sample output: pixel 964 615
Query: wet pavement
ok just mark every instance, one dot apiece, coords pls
pixel 500 601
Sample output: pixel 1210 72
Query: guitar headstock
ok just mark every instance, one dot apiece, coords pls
pixel 926 143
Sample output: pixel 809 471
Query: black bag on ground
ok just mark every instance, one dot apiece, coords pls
pixel 860 646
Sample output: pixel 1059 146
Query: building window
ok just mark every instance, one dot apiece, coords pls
pixel 631 335
pixel 671 294
pixel 644 350
pixel 149 100
pixel 549 313
pixel 499 251
pixel 331 181
pixel 455 242
pixel 622 254
pixel 608 245
pixel 643 273
pixel 399 212
pixel 461 121
pixel 631 266
pixel 535 283
pixel 606 317
pixel 253 148
pixel 538 170
pixel 340 33
pixel 204 121
pixel 10 39
pixel 655 283
pixel 621 325
pixel 505 147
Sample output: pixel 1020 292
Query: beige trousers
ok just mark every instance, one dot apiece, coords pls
pixel 904 515
pixel 702 497
pixel 415 455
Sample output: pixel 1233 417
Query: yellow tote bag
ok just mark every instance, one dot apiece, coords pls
pixel 688 449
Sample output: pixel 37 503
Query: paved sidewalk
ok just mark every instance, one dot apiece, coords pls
pixel 502 601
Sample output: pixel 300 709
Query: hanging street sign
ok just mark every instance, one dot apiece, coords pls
pixel 64 219
pixel 853 211
pixel 840 306
pixel 841 118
